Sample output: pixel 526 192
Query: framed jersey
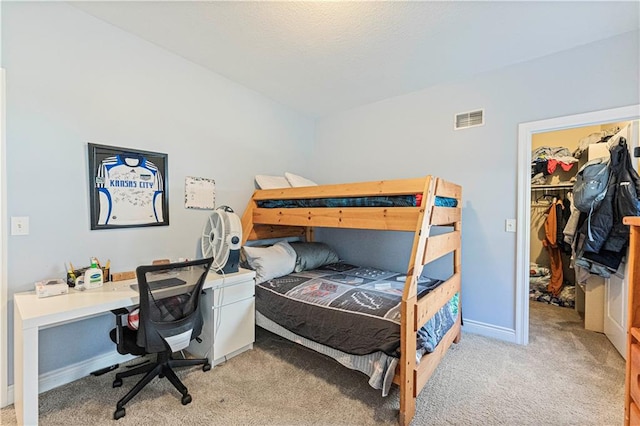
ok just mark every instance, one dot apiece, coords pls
pixel 127 187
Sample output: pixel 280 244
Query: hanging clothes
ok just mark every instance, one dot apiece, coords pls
pixel 603 254
pixel 553 243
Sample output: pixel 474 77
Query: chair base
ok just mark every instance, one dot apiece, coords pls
pixel 163 367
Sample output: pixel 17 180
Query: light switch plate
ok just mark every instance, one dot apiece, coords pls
pixel 20 225
pixel 510 225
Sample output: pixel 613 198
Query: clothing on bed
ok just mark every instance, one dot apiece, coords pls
pixel 391 201
pixel 434 330
pixel 397 201
pixel 353 309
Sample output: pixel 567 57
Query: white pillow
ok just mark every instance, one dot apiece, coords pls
pixel 296 181
pixel 271 262
pixel 272 182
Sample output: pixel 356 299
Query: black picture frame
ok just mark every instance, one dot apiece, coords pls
pixel 127 187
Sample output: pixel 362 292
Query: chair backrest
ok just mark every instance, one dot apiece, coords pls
pixel 170 314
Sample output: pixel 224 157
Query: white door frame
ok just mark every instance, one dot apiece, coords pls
pixel 614 327
pixel 4 309
pixel 525 134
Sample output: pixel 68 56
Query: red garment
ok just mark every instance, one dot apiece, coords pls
pixel 552 164
pixel 566 166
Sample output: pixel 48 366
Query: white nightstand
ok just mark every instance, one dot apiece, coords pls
pixel 228 310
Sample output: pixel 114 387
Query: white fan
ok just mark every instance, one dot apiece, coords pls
pixel 221 239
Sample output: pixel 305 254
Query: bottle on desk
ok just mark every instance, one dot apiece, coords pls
pixel 93 276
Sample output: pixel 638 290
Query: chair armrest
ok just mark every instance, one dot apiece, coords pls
pixel 119 332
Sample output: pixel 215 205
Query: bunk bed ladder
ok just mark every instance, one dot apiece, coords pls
pixel 415 313
pixel 408 376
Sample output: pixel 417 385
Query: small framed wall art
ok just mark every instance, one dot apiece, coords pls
pixel 127 187
pixel 199 193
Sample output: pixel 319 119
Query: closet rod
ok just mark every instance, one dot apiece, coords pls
pixel 557 186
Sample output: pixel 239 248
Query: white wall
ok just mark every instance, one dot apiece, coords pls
pixel 413 135
pixel 72 79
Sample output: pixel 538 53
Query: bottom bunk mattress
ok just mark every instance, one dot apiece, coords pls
pixel 378 366
pixel 350 309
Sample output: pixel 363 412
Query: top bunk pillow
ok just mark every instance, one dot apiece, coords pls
pixel 270 262
pixel 272 182
pixel 297 181
pixel 313 255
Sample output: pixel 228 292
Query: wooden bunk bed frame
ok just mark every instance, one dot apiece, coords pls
pixel 267 223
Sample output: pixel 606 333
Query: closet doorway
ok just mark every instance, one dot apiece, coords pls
pixel 556 158
pixel 527 131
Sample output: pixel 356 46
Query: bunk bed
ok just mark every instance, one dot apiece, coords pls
pixel 416 205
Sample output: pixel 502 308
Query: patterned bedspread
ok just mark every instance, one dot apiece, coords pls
pixel 349 308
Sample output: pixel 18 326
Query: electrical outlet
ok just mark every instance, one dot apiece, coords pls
pixel 510 225
pixel 20 225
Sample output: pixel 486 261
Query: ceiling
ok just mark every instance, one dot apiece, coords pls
pixel 319 57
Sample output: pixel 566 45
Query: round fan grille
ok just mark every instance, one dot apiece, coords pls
pixel 221 233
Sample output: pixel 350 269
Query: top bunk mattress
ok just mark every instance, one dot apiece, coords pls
pixel 350 308
pixel 388 201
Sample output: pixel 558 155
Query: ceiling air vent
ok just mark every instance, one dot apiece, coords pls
pixel 465 120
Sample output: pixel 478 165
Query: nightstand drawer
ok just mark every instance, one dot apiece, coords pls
pixel 634 377
pixel 223 296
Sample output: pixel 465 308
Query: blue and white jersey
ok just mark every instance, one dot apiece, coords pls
pixel 130 191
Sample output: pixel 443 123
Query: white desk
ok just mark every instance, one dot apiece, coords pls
pixel 31 314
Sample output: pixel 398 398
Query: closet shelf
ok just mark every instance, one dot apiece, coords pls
pixel 556 186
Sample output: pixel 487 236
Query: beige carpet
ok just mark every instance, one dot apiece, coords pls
pixel 565 376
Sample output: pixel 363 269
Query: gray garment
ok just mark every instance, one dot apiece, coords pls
pixel 539 179
pixel 582 274
pixel 571 227
pixel 548 152
pixel 591 268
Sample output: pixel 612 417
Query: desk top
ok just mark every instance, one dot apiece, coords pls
pixel 35 311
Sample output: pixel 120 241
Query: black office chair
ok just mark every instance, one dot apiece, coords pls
pixel 169 319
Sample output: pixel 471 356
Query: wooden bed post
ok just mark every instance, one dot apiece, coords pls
pixel 407 363
pixel 247 220
pixel 457 269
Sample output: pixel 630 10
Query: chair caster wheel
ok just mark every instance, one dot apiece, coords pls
pixel 186 399
pixel 206 367
pixel 117 383
pixel 119 413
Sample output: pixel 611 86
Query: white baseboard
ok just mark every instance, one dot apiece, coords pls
pixel 10 399
pixel 489 330
pixel 68 374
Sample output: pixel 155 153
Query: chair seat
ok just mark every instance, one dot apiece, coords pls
pixel 128 341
